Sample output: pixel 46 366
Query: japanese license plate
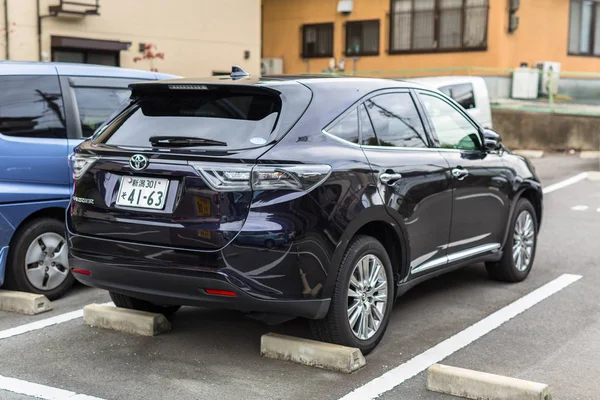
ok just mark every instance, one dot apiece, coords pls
pixel 143 192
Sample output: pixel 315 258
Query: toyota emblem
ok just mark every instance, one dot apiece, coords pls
pixel 138 162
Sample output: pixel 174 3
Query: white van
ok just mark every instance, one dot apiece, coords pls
pixel 469 91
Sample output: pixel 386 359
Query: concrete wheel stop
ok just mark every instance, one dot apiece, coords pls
pixel 311 352
pixel 24 303
pixel 477 385
pixel 121 319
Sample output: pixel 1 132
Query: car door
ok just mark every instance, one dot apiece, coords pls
pixel 480 202
pixel 411 176
pixel 33 139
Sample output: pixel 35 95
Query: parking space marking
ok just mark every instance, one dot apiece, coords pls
pixel 44 323
pixel 421 362
pixel 40 391
pixel 565 183
pixel 579 208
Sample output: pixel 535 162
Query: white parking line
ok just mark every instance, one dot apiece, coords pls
pixel 565 183
pixel 420 363
pixel 40 391
pixel 579 208
pixel 43 323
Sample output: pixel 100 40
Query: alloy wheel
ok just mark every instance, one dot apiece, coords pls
pixel 47 262
pixel 367 297
pixel 524 239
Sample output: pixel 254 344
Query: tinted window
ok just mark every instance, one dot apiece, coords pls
pixel 96 105
pixel 317 40
pixel 347 127
pixel 367 133
pixel 240 120
pixel 463 94
pixel 453 130
pixel 31 106
pixel 396 120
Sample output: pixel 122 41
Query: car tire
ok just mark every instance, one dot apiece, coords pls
pixel 519 250
pixel 132 303
pixel 269 243
pixel 337 327
pixel 38 239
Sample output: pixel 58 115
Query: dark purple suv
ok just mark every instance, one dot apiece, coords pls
pixel 324 198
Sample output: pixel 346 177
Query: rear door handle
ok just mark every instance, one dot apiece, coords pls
pixel 460 173
pixel 389 179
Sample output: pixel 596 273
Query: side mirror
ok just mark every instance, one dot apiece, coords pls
pixel 491 140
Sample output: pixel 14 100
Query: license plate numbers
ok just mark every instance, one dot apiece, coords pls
pixel 143 192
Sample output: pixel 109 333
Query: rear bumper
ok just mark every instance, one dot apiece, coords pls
pixel 179 286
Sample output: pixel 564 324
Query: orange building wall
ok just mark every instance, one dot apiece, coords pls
pixel 542 35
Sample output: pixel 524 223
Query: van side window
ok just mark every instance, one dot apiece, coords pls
pixel 96 104
pixel 31 106
pixel 463 94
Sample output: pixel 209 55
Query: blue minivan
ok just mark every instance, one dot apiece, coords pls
pixel 45 110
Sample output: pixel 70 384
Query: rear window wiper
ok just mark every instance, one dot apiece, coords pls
pixel 183 141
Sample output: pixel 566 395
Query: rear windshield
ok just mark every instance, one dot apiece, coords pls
pixel 235 120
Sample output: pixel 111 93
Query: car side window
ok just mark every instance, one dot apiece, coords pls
pixel 367 134
pixel 346 128
pixel 462 93
pixel 96 104
pixel 453 129
pixel 396 120
pixel 31 106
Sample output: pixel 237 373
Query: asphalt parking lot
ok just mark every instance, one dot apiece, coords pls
pixel 215 354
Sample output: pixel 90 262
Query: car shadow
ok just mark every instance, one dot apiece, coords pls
pixel 234 330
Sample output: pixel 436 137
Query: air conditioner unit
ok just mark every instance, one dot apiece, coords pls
pixel 549 76
pixel 271 66
pixel 525 83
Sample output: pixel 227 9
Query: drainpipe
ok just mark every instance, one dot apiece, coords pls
pixel 6 48
pixel 39 30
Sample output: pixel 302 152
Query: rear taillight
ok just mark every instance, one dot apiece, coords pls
pixel 235 178
pixel 218 292
pixel 81 271
pixel 301 178
pixel 79 163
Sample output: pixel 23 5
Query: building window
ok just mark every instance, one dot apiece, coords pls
pixel 317 40
pixel 438 25
pixel 88 51
pixel 584 28
pixel 362 38
pixel 86 57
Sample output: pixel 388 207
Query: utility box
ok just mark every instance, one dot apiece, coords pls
pixel 525 83
pixel 271 66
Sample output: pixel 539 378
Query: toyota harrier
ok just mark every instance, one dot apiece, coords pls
pixel 323 198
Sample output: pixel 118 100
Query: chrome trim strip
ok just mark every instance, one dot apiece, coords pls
pixel 357 145
pixel 456 256
pixel 430 264
pixel 473 251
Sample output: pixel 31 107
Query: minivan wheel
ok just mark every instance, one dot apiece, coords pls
pixel 38 260
pixel 519 250
pixel 363 297
pixel 132 303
